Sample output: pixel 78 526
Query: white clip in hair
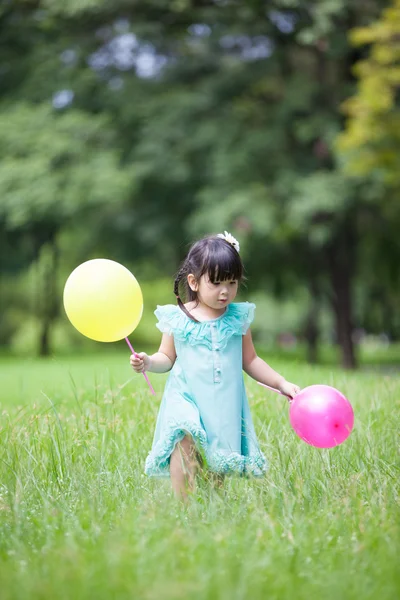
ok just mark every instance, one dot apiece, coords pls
pixel 228 237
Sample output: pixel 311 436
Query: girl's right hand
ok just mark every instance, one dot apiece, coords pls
pixel 140 362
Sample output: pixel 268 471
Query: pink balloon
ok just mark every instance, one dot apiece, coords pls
pixel 321 416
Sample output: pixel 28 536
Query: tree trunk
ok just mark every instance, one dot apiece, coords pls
pixel 44 348
pixel 311 330
pixel 341 254
pixel 389 319
pixel 49 298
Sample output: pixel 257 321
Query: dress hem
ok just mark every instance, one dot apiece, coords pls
pixel 157 462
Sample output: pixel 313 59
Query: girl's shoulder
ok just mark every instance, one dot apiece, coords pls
pixel 235 321
pixel 239 316
pixel 242 309
pixel 170 318
pixel 167 310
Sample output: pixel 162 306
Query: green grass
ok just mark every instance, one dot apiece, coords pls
pixel 78 519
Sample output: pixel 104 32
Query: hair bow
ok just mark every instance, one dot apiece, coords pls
pixel 228 237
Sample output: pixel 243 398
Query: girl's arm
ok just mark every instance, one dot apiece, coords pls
pixel 160 362
pixel 259 370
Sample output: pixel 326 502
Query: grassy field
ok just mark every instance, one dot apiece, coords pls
pixel 78 519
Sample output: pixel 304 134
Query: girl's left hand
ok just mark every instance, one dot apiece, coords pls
pixel 289 389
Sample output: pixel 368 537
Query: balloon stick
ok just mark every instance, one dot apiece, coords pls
pixel 144 374
pixel 273 389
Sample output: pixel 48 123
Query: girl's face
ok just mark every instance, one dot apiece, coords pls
pixel 215 295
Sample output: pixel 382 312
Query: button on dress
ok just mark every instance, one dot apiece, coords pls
pixel 205 395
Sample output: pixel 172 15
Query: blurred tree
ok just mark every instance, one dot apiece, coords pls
pixel 261 116
pixel 372 135
pixel 55 168
pixel 370 147
pixel 227 112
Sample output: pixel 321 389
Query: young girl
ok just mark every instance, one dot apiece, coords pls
pixel 206 343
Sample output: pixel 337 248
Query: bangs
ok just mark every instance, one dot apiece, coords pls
pixel 222 262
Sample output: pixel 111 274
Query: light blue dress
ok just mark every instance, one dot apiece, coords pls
pixel 205 394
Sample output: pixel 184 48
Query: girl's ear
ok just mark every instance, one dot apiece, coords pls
pixel 191 279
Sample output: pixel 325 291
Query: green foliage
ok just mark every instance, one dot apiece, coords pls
pixel 372 137
pixel 369 150
pixel 55 168
pixel 55 165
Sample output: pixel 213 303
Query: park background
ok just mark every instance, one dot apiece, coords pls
pixel 128 129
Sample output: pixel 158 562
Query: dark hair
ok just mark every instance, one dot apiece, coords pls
pixel 212 255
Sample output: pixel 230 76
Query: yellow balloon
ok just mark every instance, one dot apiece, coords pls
pixel 103 300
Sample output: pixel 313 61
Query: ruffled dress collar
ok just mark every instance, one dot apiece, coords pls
pixel 234 321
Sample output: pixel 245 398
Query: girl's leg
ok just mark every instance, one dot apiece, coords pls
pixel 183 466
